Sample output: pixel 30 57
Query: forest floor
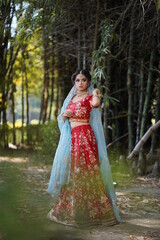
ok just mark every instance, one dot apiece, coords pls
pixel 25 203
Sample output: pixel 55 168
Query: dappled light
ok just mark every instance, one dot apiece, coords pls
pixel 12 160
pixel 149 223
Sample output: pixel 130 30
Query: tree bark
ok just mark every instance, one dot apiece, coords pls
pixel 5 126
pixel 7 12
pixel 129 85
pixel 144 139
pixel 140 101
pixel 79 46
pixel 84 47
pixel 95 35
pixel 154 142
pixel 52 87
pixel 46 76
pixel 27 91
pixel 106 111
pixel 141 159
pixel 22 97
pixel 13 114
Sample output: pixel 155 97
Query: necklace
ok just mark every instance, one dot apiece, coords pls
pixel 80 94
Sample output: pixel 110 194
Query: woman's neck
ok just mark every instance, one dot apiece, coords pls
pixel 81 93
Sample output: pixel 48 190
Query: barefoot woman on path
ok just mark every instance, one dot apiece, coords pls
pixel 81 180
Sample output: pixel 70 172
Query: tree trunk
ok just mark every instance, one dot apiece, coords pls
pixel 95 35
pixel 129 86
pixel 106 111
pixel 84 49
pixel 27 93
pixel 13 110
pixel 147 95
pixel 116 121
pixel 5 126
pixel 79 46
pixel 27 97
pixel 84 45
pixel 140 101
pixel 155 142
pixel 7 9
pixel 57 100
pixel 141 159
pixel 52 88
pixel 61 79
pixel 41 106
pixel 144 139
pixel 22 99
pixel 27 105
pixel 58 97
pixel 46 75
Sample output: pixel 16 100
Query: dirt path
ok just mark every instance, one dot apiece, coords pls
pixel 140 211
pixel 138 202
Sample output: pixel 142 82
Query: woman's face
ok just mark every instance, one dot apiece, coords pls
pixel 81 82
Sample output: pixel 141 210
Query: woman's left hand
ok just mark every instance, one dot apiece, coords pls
pixel 96 91
pixel 96 98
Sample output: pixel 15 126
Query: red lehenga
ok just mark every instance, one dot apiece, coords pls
pixel 84 201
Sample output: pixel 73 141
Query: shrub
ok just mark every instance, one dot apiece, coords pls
pixel 48 138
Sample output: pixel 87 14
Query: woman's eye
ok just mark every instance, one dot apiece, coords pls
pixel 84 80
pixel 77 80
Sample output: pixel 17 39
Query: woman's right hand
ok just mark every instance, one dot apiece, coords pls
pixel 67 113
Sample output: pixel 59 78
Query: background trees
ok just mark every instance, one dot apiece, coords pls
pixel 42 43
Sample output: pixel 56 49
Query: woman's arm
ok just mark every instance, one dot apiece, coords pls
pixel 96 99
pixel 66 114
pixel 64 117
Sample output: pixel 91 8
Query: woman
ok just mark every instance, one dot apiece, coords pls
pixel 81 180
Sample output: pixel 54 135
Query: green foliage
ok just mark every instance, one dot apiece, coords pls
pixel 4 2
pixel 48 138
pixel 33 65
pixel 42 137
pixel 100 55
pixel 33 134
pixel 36 16
pixel 157 3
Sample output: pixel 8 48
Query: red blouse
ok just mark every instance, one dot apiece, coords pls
pixel 81 109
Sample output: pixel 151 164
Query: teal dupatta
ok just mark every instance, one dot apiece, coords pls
pixel 60 173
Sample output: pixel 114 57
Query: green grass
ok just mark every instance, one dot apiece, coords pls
pixel 121 170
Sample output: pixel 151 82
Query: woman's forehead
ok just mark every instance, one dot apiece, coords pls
pixel 80 75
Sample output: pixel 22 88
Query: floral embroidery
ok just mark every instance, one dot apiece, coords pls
pixel 81 109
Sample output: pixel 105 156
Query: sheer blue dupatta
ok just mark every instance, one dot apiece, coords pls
pixel 105 169
pixel 62 160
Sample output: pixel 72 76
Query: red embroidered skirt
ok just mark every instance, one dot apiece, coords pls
pixel 84 201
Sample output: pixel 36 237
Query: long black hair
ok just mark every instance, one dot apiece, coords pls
pixel 84 71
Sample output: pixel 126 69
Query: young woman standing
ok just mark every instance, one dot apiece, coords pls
pixel 81 180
